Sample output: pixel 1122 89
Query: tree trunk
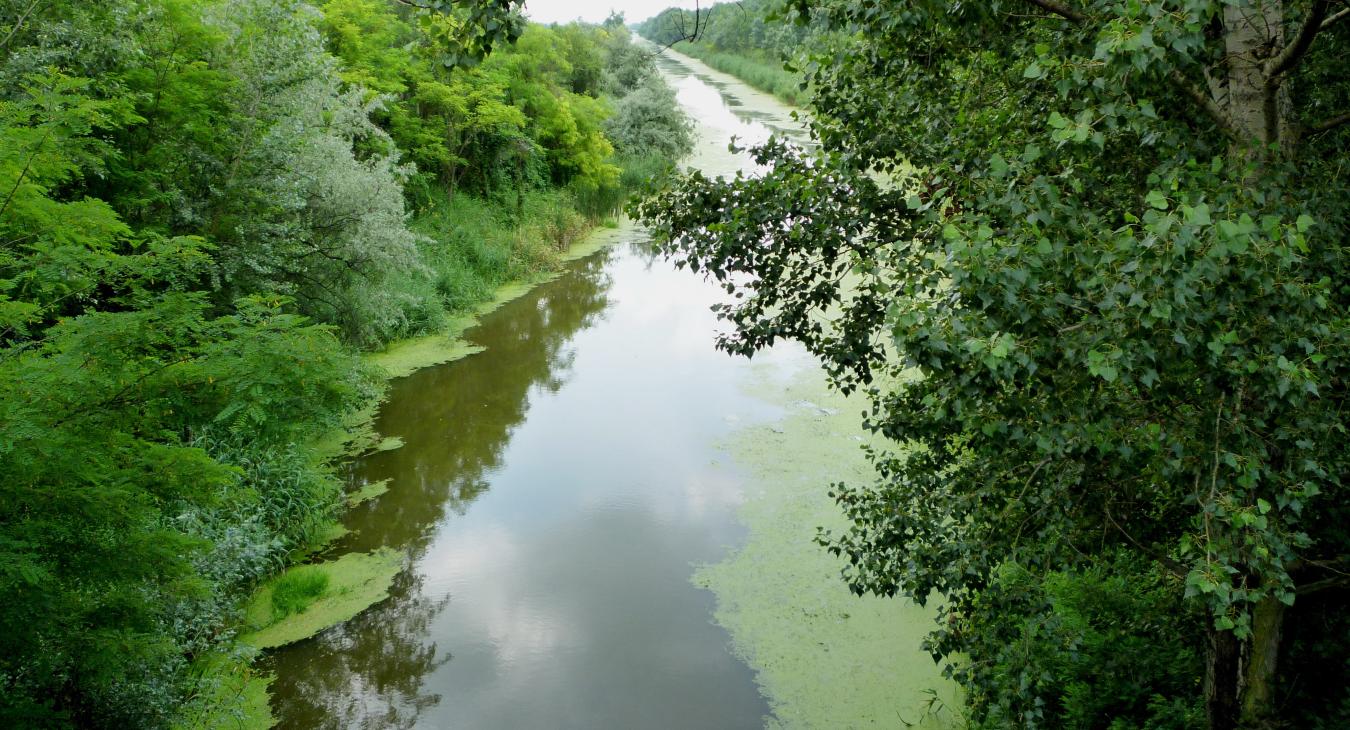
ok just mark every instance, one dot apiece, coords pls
pixel 1222 672
pixel 1239 690
pixel 1253 33
pixel 1258 691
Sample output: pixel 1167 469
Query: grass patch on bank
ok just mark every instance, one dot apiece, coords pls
pixel 760 71
pixel 295 590
pixel 307 599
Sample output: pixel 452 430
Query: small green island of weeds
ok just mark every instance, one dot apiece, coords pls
pixel 295 590
pixel 308 599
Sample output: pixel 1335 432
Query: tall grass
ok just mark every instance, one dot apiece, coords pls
pixel 472 245
pixel 757 70
pixel 639 173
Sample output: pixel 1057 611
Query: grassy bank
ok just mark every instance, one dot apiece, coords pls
pixel 473 245
pixel 758 70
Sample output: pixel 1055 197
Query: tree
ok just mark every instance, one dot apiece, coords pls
pixel 1087 258
pixel 114 379
pixel 647 121
pixel 310 203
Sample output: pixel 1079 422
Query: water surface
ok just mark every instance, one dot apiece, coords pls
pixel 554 493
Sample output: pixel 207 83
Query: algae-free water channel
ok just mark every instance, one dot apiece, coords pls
pixel 554 494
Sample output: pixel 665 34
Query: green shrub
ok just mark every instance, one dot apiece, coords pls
pixel 1068 648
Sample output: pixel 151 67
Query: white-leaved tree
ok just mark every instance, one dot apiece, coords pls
pixel 312 203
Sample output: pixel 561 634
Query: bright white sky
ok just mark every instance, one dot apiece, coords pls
pixel 595 11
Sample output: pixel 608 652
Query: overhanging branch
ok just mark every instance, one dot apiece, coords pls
pixel 19 23
pixel 1289 57
pixel 1205 101
pixel 1329 124
pixel 1339 581
pixel 1063 11
pixel 1331 20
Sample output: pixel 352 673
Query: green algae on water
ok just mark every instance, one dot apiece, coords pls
pixel 408 356
pixel 354 436
pixel 389 443
pixel 325 537
pixel 823 657
pixel 367 492
pixel 608 235
pixel 405 357
pixel 356 581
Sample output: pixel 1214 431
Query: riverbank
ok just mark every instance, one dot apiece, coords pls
pixel 406 356
pixel 236 693
pixel 757 71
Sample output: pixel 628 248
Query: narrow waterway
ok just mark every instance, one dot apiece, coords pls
pixel 554 494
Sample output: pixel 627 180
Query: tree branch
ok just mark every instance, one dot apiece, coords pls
pixel 1322 585
pixel 18 182
pixel 1330 21
pixel 1175 568
pixel 1289 57
pixel 1205 101
pixel 1063 11
pixel 1328 124
pixel 19 23
pixel 701 20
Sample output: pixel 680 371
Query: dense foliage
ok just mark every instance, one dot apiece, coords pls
pixel 1087 260
pixel 202 215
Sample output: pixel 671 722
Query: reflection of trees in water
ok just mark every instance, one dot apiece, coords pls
pixel 456 421
pixel 367 673
pixel 645 250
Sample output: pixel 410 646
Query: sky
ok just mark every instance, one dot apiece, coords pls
pixel 595 11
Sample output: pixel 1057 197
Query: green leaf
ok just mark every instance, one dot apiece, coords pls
pixel 998 165
pixel 1198 215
